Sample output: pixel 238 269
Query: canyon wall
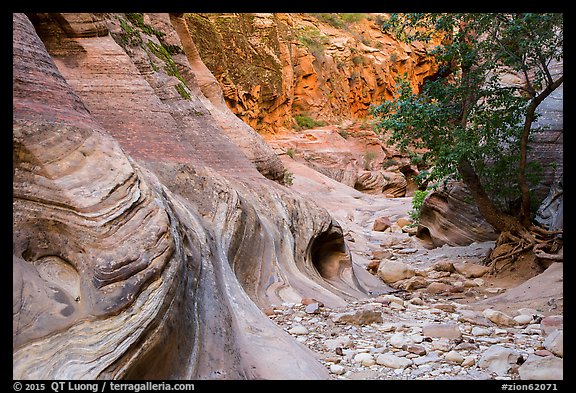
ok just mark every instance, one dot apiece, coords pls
pixel 152 224
pixel 146 238
pixel 274 67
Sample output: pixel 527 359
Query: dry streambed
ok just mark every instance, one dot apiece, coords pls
pixel 437 324
pixel 426 337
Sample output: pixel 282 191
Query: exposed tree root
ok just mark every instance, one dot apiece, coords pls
pixel 511 244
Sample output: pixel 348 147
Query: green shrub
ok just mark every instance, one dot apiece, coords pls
pixel 332 19
pixel 344 133
pixel 357 60
pixel 339 20
pixel 290 152
pixel 417 202
pixel 288 178
pixel 171 69
pixel 182 91
pixel 137 19
pixel 129 35
pixel 313 39
pixel 368 157
pixel 306 122
pixel 387 163
pixel 354 77
pixel 352 17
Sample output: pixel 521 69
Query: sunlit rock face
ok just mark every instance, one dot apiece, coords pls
pixel 273 67
pixel 145 241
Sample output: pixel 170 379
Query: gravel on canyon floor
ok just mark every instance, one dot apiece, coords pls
pixel 388 337
pixel 430 331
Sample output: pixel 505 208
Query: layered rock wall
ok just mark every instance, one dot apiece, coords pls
pixel 273 67
pixel 450 216
pixel 145 242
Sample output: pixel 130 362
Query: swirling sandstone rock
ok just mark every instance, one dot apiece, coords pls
pixel 153 265
pixel 382 182
pixel 449 216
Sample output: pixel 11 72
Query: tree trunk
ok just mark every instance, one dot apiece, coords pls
pixel 499 220
pixel 516 237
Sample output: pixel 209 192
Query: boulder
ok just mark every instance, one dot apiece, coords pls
pixel 444 266
pixel 471 270
pixel 371 182
pixel 449 216
pixel 340 341
pixel 412 283
pixel 474 317
pixel 399 340
pixel 417 349
pixel 393 361
pixel 365 359
pixel 446 330
pixel 499 359
pixel 363 316
pixel 298 330
pixel 480 331
pixel 395 184
pixel 550 323
pixel 498 317
pixel 337 369
pixel 381 224
pixel 372 266
pixel 392 271
pixel 454 356
pixel 312 308
pixel 402 222
pixel 555 343
pixel 438 287
pixel 523 319
pixel 542 368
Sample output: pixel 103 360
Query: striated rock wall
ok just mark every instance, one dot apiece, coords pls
pixel 148 97
pixel 145 241
pixel 350 154
pixel 273 67
pixel 450 216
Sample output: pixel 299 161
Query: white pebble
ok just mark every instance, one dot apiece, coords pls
pixel 337 369
pixel 298 330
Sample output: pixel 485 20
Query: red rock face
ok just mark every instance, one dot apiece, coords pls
pixel 274 66
pixel 142 108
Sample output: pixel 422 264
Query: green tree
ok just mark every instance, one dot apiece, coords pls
pixel 473 124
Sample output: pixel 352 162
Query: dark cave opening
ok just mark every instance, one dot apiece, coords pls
pixel 328 252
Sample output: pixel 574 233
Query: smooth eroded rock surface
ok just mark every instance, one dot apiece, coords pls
pixel 145 241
